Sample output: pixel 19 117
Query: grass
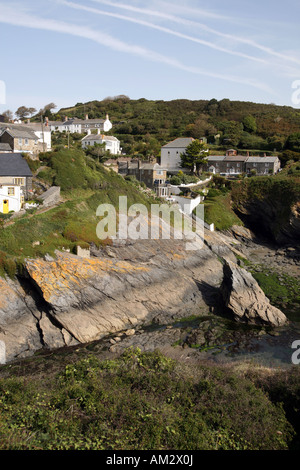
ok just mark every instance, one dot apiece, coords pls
pixel 85 185
pixel 140 401
pixel 282 290
pixel 218 210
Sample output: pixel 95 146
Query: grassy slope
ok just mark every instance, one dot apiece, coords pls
pixel 85 185
pixel 218 211
pixel 142 401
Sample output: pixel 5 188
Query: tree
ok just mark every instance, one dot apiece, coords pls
pixel 194 156
pixel 8 115
pixel 293 142
pixel 249 123
pixel 201 127
pixel 98 151
pixel 23 112
pixel 49 107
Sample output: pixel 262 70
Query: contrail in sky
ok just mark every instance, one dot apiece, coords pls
pixel 161 28
pixel 186 22
pixel 15 16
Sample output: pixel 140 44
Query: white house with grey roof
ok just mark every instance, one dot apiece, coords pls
pixel 170 153
pixel 112 144
pixel 15 182
pixel 80 126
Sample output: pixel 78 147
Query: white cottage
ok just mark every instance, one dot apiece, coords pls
pixel 11 198
pixel 112 144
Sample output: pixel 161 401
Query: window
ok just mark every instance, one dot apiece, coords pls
pixel 19 181
pixel 159 172
pixel 11 191
pixel 238 165
pixel 266 164
pixel 26 141
pixel 20 141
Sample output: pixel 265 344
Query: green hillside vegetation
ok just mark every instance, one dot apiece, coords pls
pixel 84 185
pixel 144 401
pixel 143 126
pixel 218 210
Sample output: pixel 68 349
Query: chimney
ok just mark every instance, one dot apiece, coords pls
pixel 247 154
pixel 47 122
pixel 98 131
pixel 86 117
pixel 66 118
pixel 88 131
pixel 106 117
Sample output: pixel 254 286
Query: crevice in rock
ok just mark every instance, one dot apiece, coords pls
pixel 34 292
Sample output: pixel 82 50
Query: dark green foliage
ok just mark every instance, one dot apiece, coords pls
pixel 182 178
pixel 140 401
pixel 194 156
pixel 143 126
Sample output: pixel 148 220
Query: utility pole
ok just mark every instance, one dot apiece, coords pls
pixel 42 123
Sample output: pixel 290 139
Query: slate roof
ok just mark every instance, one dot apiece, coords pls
pixel 5 147
pixel 21 132
pixel 180 142
pixel 13 165
pixel 235 158
pixel 261 159
pixel 99 137
pixel 215 158
pixel 83 121
pixel 37 127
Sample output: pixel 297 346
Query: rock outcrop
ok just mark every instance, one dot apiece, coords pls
pixel 67 300
pixel 245 299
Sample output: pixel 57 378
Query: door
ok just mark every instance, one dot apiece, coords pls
pixel 5 206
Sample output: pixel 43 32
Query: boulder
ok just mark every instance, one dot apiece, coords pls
pixel 246 300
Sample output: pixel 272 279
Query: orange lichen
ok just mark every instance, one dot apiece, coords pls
pixel 68 271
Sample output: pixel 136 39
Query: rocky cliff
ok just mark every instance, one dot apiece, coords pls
pixel 271 207
pixel 68 300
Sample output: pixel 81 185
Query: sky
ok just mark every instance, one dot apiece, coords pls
pixel 66 52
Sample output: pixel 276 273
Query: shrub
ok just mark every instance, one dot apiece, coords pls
pixel 140 401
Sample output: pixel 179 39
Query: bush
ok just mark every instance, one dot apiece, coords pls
pixel 140 401
pixel 213 192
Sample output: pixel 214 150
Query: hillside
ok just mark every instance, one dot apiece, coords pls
pixel 84 184
pixel 144 401
pixel 144 125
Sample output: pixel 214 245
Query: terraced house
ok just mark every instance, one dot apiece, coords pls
pixel 152 174
pixel 232 164
pixel 22 139
pixel 80 126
